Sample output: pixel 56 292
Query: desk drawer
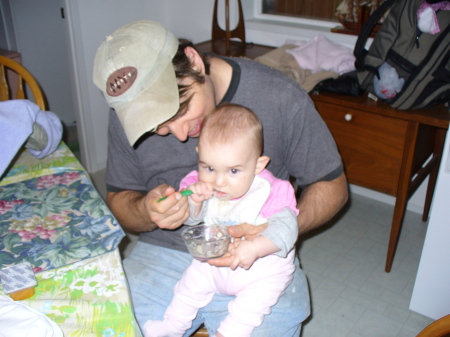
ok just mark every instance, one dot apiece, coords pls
pixel 371 145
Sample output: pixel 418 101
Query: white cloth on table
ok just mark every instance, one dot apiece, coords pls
pixel 18 319
pixel 17 118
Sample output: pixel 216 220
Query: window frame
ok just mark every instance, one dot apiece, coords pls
pixel 258 14
pixel 274 30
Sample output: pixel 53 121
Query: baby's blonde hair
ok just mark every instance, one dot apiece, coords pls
pixel 229 122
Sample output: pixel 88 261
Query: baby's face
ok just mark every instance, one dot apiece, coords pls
pixel 230 168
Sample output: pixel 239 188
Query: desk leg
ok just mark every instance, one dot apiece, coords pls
pixel 438 147
pixel 402 191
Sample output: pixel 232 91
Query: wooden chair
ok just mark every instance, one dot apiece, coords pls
pixel 202 332
pixel 439 328
pixel 23 75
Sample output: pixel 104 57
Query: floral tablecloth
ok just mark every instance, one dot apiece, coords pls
pixel 54 220
pixel 52 216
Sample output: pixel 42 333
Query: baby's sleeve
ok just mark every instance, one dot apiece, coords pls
pixel 282 230
pixel 281 212
pixel 282 195
pixel 195 220
pixel 189 179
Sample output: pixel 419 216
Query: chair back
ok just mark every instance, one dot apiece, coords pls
pixel 23 75
pixel 439 328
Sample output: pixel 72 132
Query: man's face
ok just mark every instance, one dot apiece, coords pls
pixel 189 122
pixel 230 167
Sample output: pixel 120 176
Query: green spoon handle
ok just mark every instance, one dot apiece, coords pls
pixel 184 193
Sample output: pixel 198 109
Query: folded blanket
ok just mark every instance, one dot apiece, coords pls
pixel 18 119
pixel 321 54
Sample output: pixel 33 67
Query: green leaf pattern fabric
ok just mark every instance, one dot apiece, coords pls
pixel 87 298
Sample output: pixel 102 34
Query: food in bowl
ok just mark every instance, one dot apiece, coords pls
pixel 206 242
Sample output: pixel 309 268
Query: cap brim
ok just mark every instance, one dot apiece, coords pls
pixel 152 107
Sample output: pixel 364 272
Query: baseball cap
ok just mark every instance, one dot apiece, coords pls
pixel 133 68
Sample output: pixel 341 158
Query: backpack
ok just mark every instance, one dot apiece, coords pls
pixel 421 60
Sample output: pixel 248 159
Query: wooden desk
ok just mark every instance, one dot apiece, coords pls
pixel 387 150
pixel 237 49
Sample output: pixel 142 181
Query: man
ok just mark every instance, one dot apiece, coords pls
pixel 161 90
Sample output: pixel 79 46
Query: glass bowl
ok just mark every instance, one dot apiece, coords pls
pixel 206 242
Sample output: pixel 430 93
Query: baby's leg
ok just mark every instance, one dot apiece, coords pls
pixel 193 291
pixel 251 305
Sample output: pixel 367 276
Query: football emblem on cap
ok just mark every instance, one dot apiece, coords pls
pixel 120 81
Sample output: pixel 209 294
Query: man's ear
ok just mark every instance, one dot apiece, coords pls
pixel 195 58
pixel 261 163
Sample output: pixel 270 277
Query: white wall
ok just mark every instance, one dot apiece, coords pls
pixel 431 294
pixel 89 22
pixel 190 19
pixel 39 33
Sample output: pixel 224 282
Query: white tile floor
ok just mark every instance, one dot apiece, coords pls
pixel 351 294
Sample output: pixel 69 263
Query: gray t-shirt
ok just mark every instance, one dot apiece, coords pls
pixel 295 138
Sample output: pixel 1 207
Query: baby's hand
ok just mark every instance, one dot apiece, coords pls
pixel 202 191
pixel 245 253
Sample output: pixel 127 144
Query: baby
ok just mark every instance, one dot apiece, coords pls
pixel 233 187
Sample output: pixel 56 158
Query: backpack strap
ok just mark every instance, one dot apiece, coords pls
pixel 360 52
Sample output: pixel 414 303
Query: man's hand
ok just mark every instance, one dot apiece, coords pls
pixel 249 231
pixel 139 212
pixel 169 213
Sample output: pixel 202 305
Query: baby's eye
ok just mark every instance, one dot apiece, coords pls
pixel 234 171
pixel 209 169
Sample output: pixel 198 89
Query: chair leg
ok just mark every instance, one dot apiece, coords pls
pixel 403 192
pixel 396 227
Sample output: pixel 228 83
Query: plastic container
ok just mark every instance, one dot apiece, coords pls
pixel 18 281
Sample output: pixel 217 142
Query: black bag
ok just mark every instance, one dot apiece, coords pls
pixel 421 60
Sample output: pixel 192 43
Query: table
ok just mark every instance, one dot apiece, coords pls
pixel 387 150
pixel 52 216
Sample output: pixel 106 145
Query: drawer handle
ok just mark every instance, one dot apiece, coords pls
pixel 348 117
